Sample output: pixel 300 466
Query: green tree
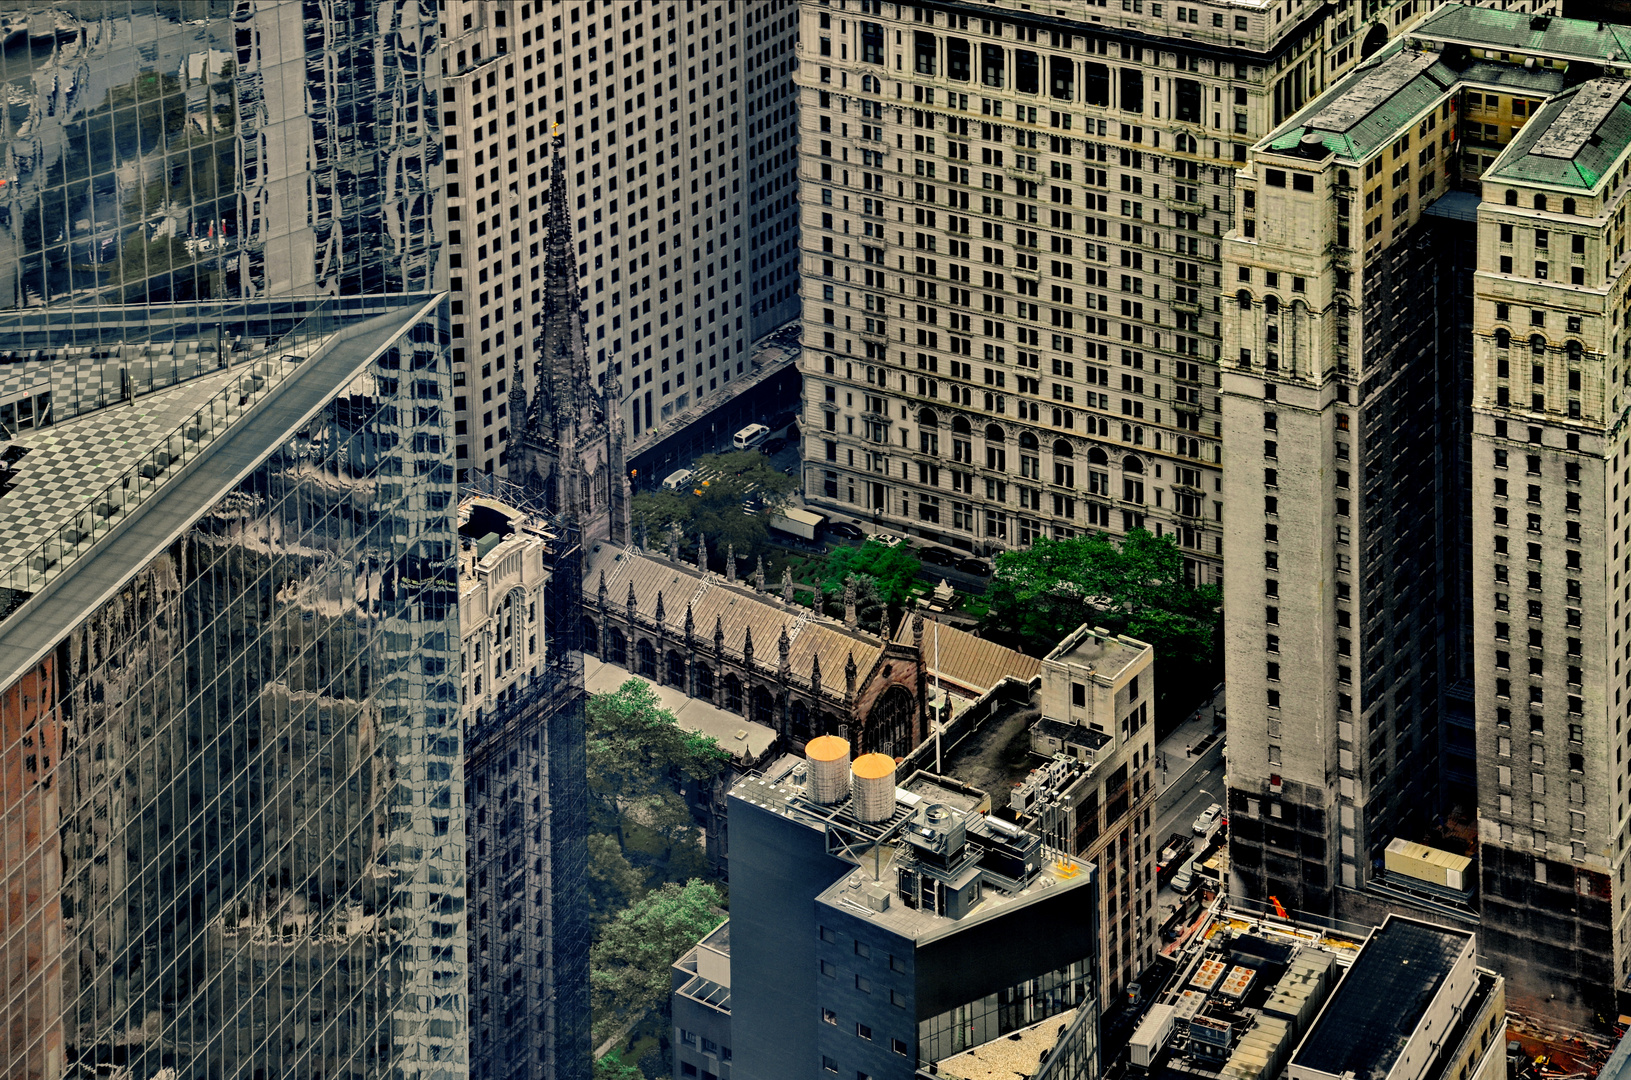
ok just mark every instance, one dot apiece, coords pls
pixel 1134 586
pixel 884 577
pixel 636 752
pixel 629 965
pixel 613 1067
pixel 613 882
pixel 713 505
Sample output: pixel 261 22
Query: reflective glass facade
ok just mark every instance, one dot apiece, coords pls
pixel 161 150
pixel 231 794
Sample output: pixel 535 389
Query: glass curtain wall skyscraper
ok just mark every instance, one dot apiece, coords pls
pixel 230 763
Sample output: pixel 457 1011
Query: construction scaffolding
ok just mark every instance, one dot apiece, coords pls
pixel 527 826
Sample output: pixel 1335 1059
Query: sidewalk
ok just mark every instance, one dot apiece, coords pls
pixel 1190 736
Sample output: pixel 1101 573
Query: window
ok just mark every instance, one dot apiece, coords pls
pixel 863 1031
pixel 899 1046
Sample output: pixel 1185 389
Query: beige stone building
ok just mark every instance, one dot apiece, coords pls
pixel 1013 226
pixel 1423 407
pixel 678 126
pixel 1097 698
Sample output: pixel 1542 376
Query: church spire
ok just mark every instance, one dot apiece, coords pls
pixel 567 441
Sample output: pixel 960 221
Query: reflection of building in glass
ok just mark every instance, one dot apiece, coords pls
pixel 285 149
pixel 228 717
pixel 527 793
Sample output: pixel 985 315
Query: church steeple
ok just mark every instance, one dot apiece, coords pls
pixel 566 442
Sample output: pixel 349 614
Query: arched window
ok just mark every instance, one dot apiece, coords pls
pixel 828 361
pixel 620 648
pixel 591 637
pixel 676 669
pixel 648 659
pixel 1537 344
pixel 733 693
pixel 959 425
pixel 927 418
pixel 1097 456
pixel 1503 338
pixel 1062 448
pixel 1245 300
pixel 1574 349
pixel 1027 441
pixel 1568 206
pixel 1131 464
pixel 705 682
pixel 1511 197
pixel 994 433
pixel 1540 202
pixel 763 708
pixel 891 723
pixel 1271 305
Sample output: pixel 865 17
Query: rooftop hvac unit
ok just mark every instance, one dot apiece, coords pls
pixel 828 756
pixel 874 782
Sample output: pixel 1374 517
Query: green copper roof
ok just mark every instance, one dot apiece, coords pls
pixel 1573 141
pixel 1370 107
pixel 1521 32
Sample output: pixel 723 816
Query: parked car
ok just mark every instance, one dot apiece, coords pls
pixel 937 557
pixel 844 530
pixel 1208 819
pixel 888 539
pixel 773 446
pixel 977 567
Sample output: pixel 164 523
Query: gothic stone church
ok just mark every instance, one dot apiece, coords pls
pixel 754 652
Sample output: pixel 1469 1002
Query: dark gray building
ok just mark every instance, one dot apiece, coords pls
pixel 884 930
pixel 701 1002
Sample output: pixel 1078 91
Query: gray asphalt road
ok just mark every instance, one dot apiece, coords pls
pixel 1179 806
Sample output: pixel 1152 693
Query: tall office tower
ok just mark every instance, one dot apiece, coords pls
pixel 876 931
pixel 228 716
pixel 1013 231
pixel 527 794
pixel 1494 149
pixel 266 151
pixel 677 124
pixel 234 844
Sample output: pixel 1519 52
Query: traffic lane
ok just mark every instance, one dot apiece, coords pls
pixel 1178 819
pixel 1211 765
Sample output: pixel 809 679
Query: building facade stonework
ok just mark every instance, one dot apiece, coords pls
pixel 775 663
pixel 1013 230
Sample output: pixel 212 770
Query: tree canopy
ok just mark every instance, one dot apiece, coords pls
pixel 884 577
pixel 713 505
pixel 629 965
pixel 1133 586
pixel 637 754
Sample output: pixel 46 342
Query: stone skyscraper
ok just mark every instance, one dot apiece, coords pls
pixel 678 127
pixel 1424 416
pixel 1013 228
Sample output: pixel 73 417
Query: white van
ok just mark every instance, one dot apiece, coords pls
pixel 1185 877
pixel 678 480
pixel 751 436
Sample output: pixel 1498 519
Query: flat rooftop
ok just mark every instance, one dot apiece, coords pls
pixel 875 847
pixel 1365 1025
pixel 1098 648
